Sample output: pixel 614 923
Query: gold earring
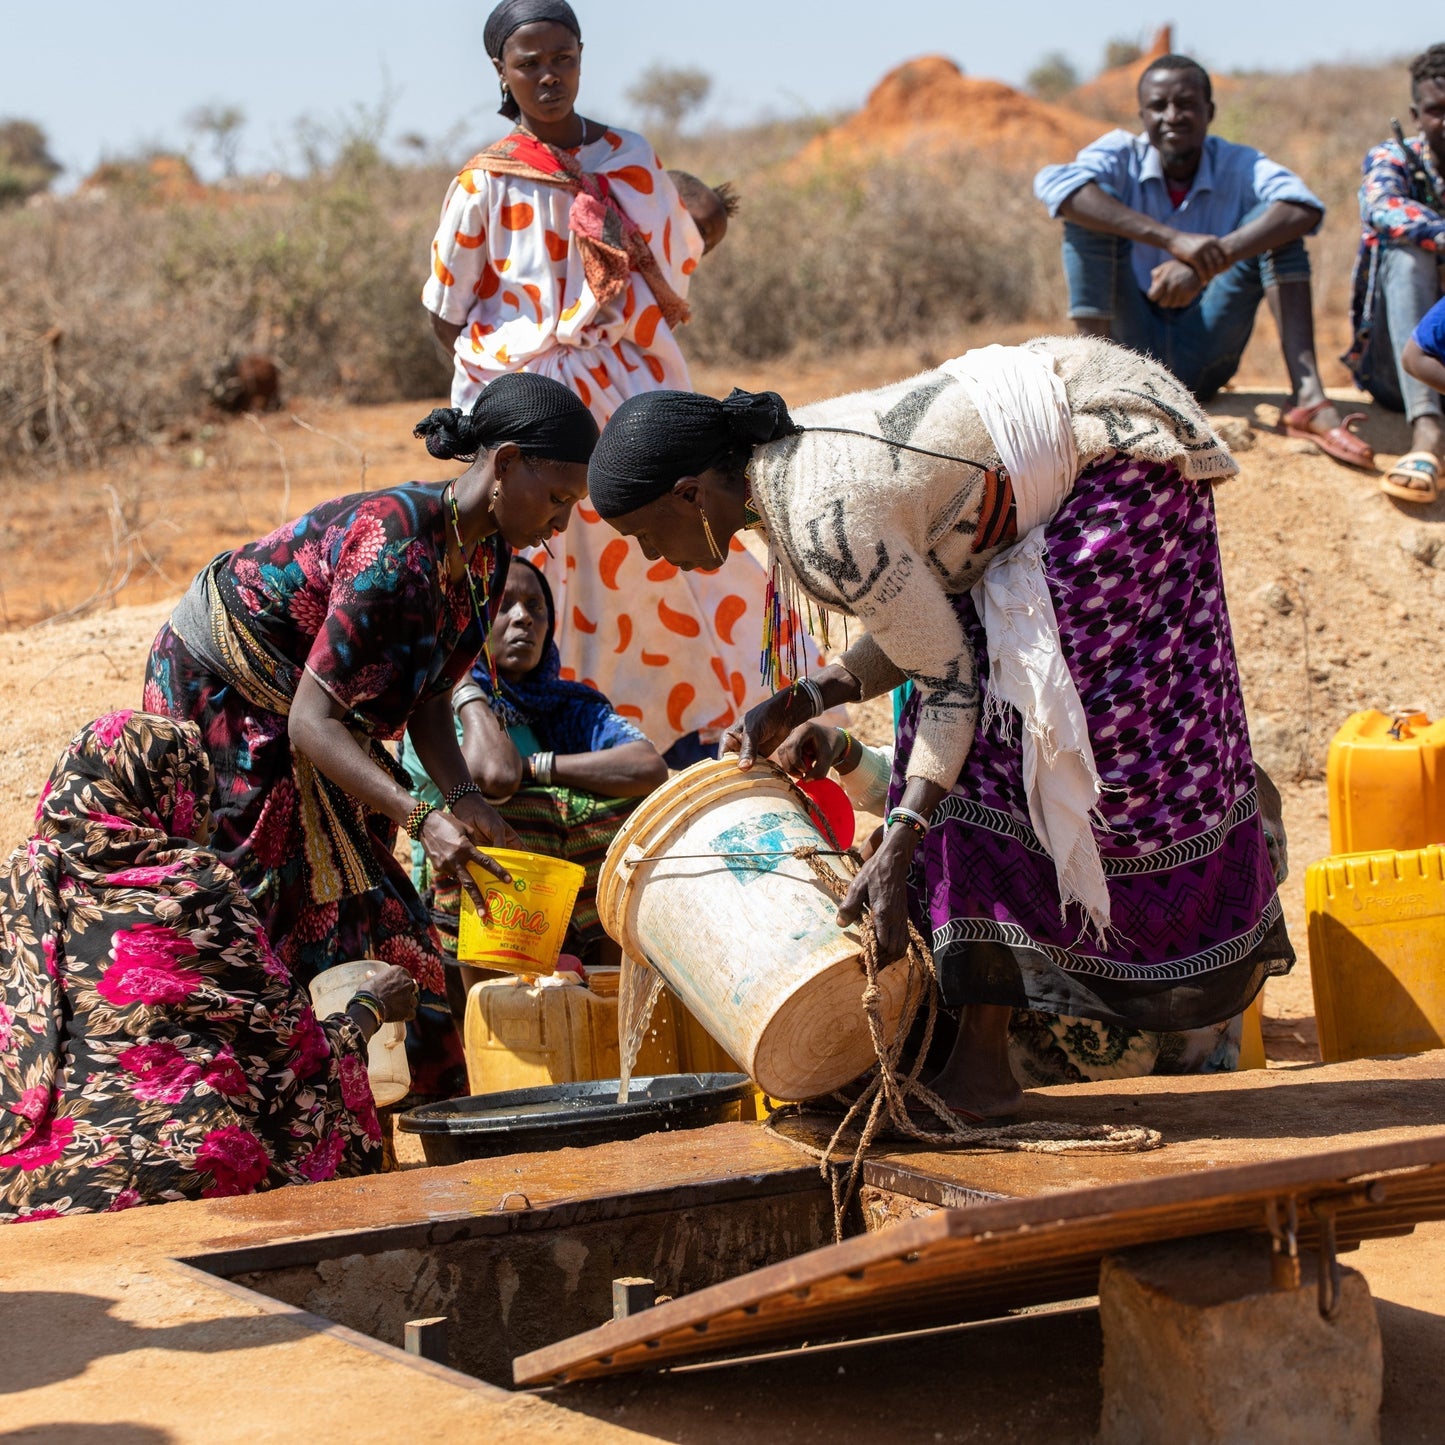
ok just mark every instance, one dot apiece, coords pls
pixel 711 540
pixel 492 500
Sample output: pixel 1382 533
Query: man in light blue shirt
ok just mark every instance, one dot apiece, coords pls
pixel 1173 237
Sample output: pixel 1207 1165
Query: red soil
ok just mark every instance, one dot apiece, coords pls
pixel 929 106
pixel 1113 94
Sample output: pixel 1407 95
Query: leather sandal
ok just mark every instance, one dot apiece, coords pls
pixel 1417 466
pixel 1339 442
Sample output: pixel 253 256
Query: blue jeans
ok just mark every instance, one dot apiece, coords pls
pixel 1407 285
pixel 1200 343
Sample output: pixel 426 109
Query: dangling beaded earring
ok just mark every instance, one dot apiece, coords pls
pixel 711 540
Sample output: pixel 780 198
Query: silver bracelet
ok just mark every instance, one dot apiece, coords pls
pixel 542 766
pixel 812 692
pixel 466 691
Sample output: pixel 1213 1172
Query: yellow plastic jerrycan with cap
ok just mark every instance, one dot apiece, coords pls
pixel 1386 782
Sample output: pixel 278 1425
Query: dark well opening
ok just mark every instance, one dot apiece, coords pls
pixel 513 1279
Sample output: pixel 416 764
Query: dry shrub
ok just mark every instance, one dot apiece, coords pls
pixel 878 255
pixel 114 316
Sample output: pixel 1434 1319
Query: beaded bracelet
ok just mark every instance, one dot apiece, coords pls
pixel 461 790
pixel 417 817
pixel 851 755
pixel 371 1004
pixel 907 816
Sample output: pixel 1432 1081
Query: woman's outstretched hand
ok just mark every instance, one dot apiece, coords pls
pixel 397 993
pixel 882 884
pixel 809 751
pixel 450 840
pixel 765 727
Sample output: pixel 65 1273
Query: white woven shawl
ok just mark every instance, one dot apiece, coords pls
pixel 1022 402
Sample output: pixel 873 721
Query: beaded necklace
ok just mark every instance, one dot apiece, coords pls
pixel 784 605
pixel 481 610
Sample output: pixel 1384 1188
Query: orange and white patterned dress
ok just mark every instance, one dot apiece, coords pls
pixel 674 651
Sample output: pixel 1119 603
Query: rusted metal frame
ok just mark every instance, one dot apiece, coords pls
pixel 1168 1207
pixel 926 1188
pixel 504 1217
pixel 1270 1177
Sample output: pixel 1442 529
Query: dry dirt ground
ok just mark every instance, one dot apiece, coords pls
pixel 1334 601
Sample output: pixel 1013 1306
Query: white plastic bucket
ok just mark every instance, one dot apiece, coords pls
pixel 386 1065
pixel 748 943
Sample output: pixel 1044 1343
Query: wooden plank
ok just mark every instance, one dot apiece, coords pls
pixel 993 1257
pixel 427 1338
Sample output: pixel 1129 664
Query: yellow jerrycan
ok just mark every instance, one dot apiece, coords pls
pixel 1377 952
pixel 521 1032
pixel 1386 781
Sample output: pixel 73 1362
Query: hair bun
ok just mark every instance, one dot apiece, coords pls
pixel 447 433
pixel 758 416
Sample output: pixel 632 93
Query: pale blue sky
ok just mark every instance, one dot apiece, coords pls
pixel 105 78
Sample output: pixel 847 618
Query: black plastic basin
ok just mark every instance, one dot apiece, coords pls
pixel 571 1116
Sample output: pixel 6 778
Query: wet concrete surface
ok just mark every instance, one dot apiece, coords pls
pixel 1208 1121
pixel 105 1337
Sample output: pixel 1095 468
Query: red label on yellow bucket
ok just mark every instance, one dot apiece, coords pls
pixel 526 918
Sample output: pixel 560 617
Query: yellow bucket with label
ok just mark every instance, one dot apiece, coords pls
pixel 526 918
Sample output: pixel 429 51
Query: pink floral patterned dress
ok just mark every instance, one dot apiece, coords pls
pixel 152 1045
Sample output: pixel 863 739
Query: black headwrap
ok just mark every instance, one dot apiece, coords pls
pixel 657 437
pixel 542 416
pixel 511 15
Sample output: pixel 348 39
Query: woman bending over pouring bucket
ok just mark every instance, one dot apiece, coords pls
pixel 300 654
pixel 1026 533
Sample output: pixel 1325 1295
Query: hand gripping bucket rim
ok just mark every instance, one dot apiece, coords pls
pixel 752 948
pixel 386 1065
pixel 535 909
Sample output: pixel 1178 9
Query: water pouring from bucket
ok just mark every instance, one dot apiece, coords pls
pixel 702 885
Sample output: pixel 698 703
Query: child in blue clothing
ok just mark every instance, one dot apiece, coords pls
pixel 1424 355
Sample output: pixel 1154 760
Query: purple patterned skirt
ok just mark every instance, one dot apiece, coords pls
pixel 1133 565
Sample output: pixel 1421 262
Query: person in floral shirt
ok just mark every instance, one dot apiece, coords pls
pixel 301 654
pixel 152 1045
pixel 1398 277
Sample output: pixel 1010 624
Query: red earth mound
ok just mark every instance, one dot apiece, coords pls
pixel 929 106
pixel 158 180
pixel 1113 94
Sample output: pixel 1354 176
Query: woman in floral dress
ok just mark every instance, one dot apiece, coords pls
pixel 152 1045
pixel 301 654
pixel 564 249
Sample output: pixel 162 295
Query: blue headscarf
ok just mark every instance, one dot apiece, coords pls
pixel 567 717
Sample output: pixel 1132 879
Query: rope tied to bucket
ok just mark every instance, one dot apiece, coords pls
pixel 884 1098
